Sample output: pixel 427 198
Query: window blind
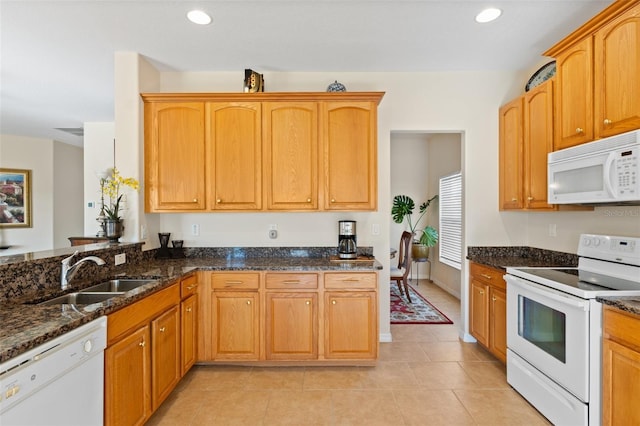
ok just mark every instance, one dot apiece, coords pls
pixel 450 202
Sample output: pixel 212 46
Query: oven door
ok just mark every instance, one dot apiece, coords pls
pixel 550 330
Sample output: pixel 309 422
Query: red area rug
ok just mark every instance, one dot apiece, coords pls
pixel 420 311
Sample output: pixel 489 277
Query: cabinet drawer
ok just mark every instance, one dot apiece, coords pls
pixel 351 280
pixel 488 275
pixel 240 280
pixel 188 286
pixel 292 281
pixel 622 327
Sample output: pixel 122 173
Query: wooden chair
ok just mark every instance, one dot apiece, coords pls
pixel 401 273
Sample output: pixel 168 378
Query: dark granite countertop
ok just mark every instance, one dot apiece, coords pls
pixel 629 304
pixel 25 326
pixel 518 256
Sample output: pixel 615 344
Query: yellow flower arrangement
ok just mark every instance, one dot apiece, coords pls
pixel 110 186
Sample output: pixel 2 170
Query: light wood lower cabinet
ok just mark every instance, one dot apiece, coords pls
pixel 188 322
pixel 142 357
pixel 290 317
pixel 620 368
pixel 488 309
pixel 165 355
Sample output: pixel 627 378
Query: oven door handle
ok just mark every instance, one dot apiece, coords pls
pixel 549 293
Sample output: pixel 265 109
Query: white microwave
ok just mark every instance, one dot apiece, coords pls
pixel 606 171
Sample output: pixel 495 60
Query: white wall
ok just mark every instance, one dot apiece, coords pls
pixel 41 156
pixel 98 157
pixel 439 102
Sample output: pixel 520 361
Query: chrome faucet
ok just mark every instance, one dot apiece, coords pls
pixel 69 271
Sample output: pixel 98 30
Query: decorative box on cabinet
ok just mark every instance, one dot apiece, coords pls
pixel 598 94
pixel 487 309
pixel 620 367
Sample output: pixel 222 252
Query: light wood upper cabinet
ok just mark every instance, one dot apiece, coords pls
pixel 350 155
pixel 538 142
pixel 234 155
pixel 598 92
pixel 617 75
pixel 574 103
pixel 291 155
pixel 511 154
pixel 174 156
pixel 293 151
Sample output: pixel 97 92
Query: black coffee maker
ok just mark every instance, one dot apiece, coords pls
pixel 347 247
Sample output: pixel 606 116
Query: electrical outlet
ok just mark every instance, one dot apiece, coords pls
pixel 143 232
pixel 273 227
pixel 375 229
pixel 552 230
pixel 195 229
pixel 121 258
pixel 273 234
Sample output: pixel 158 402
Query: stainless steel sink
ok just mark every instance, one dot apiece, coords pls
pixel 81 298
pixel 118 286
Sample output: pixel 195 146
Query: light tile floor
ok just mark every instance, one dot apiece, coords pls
pixel 426 376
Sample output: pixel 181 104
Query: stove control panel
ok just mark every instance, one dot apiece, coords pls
pixel 611 248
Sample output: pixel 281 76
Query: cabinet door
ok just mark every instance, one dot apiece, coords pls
pixel 292 325
pixel 479 311
pixel 236 325
pixel 234 144
pixel 128 380
pixel 165 355
pixel 538 142
pixel 498 324
pixel 511 155
pixel 574 96
pixel 350 325
pixel 189 332
pixel 621 384
pixel 617 75
pixel 174 156
pixel 291 155
pixel 349 138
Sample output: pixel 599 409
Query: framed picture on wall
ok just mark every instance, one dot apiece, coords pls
pixel 15 198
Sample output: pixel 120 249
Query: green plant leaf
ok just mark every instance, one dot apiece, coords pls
pixel 402 207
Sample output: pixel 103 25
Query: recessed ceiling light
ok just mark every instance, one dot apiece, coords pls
pixel 488 15
pixel 199 17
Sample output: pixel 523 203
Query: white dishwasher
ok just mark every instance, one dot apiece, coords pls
pixel 60 382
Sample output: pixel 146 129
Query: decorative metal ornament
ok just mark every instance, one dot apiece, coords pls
pixel 336 87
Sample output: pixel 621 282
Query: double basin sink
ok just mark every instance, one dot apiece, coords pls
pixel 99 293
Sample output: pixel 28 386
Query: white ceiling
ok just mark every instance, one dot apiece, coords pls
pixel 57 56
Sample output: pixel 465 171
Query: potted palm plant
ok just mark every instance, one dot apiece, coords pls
pixel 423 238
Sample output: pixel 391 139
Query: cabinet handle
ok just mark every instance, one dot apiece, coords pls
pixel 607 121
pixel 514 199
pixel 481 291
pixel 162 329
pixel 493 298
pixel 333 302
pixel 333 200
pixel 188 309
pixel 529 198
pixel 195 200
pixel 485 276
pixel 579 130
pixel 233 282
pixel 248 302
pixel 308 200
pixel 191 287
pixel 291 282
pixel 218 201
pixel 141 344
pixel 307 302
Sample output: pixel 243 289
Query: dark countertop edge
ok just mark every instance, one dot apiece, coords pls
pixel 30 337
pixel 502 257
pixel 630 304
